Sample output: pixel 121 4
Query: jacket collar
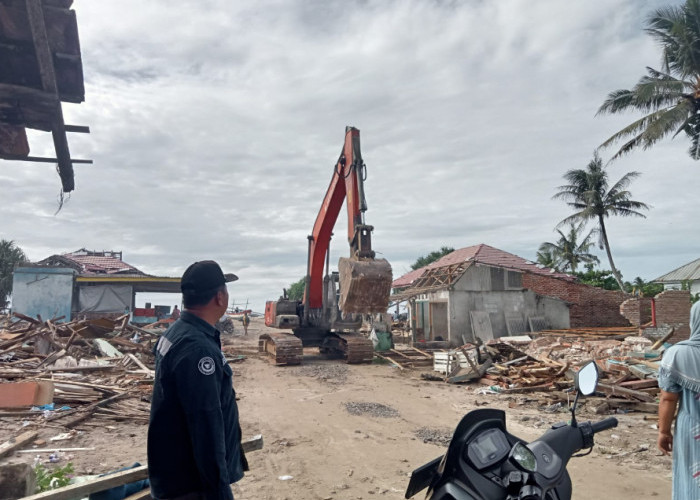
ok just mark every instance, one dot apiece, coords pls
pixel 199 323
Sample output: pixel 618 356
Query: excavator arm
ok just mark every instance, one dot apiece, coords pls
pixel 361 274
pixel 363 281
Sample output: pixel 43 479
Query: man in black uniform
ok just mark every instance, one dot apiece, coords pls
pixel 194 437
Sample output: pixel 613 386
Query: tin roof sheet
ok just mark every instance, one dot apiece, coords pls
pixel 688 272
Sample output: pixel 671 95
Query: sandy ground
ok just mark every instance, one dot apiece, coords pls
pixel 337 431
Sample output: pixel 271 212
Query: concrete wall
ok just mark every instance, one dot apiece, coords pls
pixel 43 291
pixel 694 286
pixel 498 304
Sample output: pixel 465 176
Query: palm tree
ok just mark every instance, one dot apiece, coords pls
pixel 568 251
pixel 548 257
pixel 588 193
pixel 670 98
pixel 10 256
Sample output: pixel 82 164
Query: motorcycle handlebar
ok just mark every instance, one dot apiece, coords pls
pixel 604 425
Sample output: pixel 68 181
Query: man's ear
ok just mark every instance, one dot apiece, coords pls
pixel 221 299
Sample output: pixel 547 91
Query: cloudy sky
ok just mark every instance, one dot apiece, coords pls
pixel 215 126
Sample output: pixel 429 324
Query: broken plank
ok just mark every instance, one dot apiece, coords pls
pixel 82 368
pixel 387 358
pixel 16 442
pixel 144 494
pixel 616 390
pixel 118 478
pixel 100 484
pixel 141 365
pixel 639 384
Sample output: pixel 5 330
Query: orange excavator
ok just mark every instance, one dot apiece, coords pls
pixel 330 314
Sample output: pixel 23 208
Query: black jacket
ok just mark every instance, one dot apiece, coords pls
pixel 194 437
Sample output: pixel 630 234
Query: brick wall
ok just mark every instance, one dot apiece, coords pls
pixel 673 310
pixel 637 310
pixel 590 306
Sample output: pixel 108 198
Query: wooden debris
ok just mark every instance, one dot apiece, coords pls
pixel 118 478
pixel 17 442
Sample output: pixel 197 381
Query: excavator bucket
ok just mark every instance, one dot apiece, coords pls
pixel 365 285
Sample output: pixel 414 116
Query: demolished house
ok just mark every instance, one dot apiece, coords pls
pixel 41 68
pixel 83 283
pixel 481 291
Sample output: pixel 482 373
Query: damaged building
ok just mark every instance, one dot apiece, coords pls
pixel 481 291
pixel 83 283
pixel 41 69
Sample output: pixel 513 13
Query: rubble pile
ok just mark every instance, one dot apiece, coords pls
pixel 69 372
pixel 628 367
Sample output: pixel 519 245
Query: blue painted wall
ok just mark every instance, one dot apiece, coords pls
pixel 45 291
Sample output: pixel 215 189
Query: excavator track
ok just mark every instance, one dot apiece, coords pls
pixel 356 348
pixel 284 348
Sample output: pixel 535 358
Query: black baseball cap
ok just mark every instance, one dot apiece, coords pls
pixel 203 276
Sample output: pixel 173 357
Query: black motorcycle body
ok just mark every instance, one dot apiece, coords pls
pixel 485 462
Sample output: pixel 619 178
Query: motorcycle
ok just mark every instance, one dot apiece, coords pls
pixel 485 462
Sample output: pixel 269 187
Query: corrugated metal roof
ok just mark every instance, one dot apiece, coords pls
pixel 483 254
pixel 688 272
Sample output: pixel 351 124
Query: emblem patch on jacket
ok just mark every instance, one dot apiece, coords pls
pixel 206 365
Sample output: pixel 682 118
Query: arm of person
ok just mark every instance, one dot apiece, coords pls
pixel 667 411
pixel 198 377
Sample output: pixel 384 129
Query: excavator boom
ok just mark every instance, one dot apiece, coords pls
pixel 364 283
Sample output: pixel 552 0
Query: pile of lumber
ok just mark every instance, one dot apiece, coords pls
pixel 101 368
pixel 628 369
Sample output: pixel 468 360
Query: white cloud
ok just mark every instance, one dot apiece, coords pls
pixel 215 127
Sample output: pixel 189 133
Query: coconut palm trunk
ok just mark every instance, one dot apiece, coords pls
pixel 604 237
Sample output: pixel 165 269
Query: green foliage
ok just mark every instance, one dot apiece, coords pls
pixel 567 253
pixel 598 278
pixel 296 290
pixel 546 256
pixel 686 285
pixel 10 256
pixel 604 278
pixel 593 199
pixel 643 288
pixel 668 99
pixel 431 257
pixel 49 479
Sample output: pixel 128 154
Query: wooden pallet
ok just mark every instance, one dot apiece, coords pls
pixel 406 357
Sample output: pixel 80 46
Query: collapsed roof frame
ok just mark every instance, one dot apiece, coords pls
pixel 433 279
pixel 40 50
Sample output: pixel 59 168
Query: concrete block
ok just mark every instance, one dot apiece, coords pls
pixel 16 481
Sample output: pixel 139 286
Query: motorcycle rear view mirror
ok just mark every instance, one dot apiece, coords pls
pixel 587 379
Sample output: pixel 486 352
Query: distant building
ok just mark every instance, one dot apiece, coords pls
pixel 83 283
pixel 481 291
pixel 688 273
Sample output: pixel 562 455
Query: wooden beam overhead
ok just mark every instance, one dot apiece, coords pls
pixel 44 58
pixel 40 159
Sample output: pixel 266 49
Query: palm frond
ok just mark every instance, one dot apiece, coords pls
pixel 669 121
pixel 633 128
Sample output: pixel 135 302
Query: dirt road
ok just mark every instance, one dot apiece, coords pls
pixel 337 431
